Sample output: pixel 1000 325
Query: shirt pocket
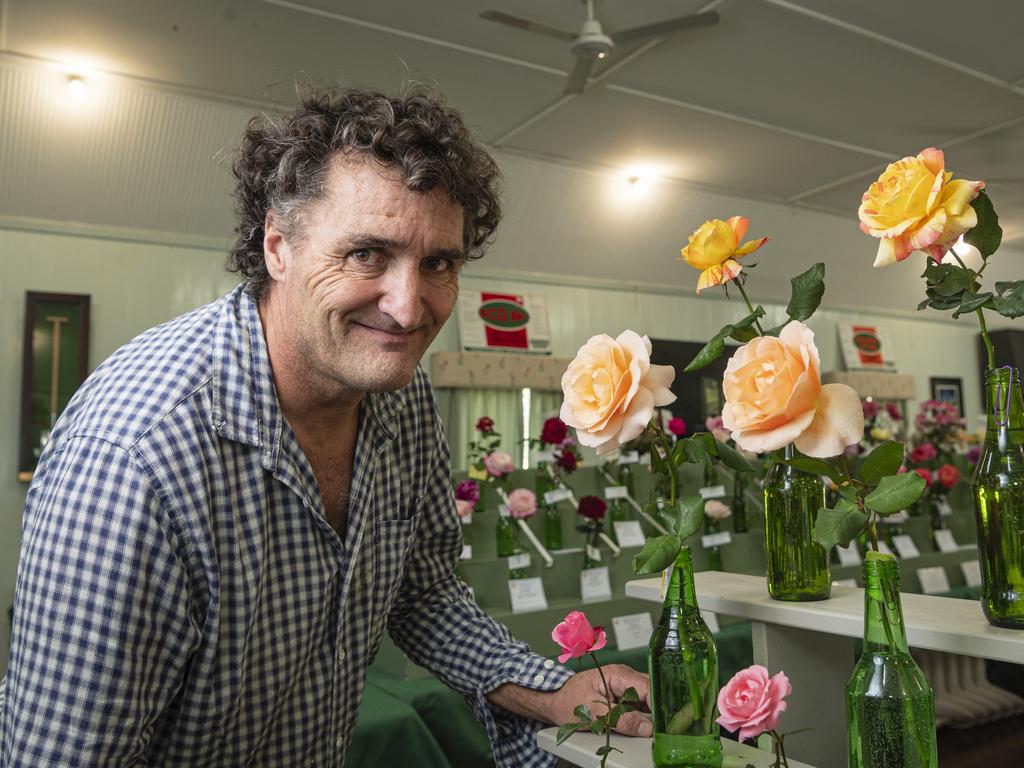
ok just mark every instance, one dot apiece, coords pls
pixel 392 543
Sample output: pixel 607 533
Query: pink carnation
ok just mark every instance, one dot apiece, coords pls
pixel 752 701
pixel 522 503
pixel 499 464
pixel 463 507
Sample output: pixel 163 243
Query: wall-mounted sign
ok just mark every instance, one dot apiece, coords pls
pixel 504 322
pixel 866 347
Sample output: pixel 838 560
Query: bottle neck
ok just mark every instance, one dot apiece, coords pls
pixel 1004 404
pixel 680 585
pixel 884 631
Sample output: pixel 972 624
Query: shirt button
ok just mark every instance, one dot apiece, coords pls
pixel 339 742
pixel 549 664
pixel 341 654
pixel 538 679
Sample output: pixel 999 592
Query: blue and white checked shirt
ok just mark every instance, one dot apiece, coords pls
pixel 181 599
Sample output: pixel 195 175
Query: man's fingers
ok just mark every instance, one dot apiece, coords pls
pixel 620 677
pixel 635 724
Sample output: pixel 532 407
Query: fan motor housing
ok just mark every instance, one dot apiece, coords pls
pixel 592 40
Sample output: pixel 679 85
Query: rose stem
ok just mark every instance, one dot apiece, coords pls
pixel 743 292
pixel 608 701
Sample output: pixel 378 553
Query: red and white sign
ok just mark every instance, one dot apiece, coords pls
pixel 508 322
pixel 866 348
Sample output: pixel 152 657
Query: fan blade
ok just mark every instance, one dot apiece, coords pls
pixel 667 27
pixel 527 26
pixel 580 74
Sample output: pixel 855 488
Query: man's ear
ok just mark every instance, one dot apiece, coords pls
pixel 277 252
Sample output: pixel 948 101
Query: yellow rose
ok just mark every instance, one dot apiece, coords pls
pixel 714 248
pixel 916 205
pixel 774 396
pixel 880 435
pixel 611 390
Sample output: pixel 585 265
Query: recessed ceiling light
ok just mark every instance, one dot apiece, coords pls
pixel 76 87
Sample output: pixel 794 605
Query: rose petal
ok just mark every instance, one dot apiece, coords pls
pixel 838 422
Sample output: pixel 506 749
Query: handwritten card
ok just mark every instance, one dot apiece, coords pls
pixel 616 492
pixel 944 509
pixel 905 546
pixel 972 572
pixel 933 580
pixel 716 539
pixel 543 457
pixel 629 533
pixel 884 548
pixel 518 562
pixel 527 595
pixel 945 541
pixel 467 519
pixel 556 495
pixel 467 552
pixel 503 510
pixel 629 457
pixel 848 555
pixel 595 584
pixel 632 631
pixel 712 492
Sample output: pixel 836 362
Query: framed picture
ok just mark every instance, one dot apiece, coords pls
pixel 948 391
pixel 55 359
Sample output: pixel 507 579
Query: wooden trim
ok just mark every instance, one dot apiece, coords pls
pixel 491 370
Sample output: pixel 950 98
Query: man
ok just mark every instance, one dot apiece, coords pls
pixel 237 503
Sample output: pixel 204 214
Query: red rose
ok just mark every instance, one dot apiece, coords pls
pixel 924 473
pixel 592 507
pixel 677 426
pixel 567 460
pixel 485 424
pixel 948 476
pixel 554 432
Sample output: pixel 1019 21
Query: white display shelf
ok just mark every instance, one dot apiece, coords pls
pixel 936 623
pixel 814 644
pixel 579 749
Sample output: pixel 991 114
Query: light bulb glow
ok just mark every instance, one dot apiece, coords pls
pixel 76 88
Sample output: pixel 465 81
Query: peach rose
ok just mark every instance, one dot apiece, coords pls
pixel 774 396
pixel 752 702
pixel 611 390
pixel 714 247
pixel 916 205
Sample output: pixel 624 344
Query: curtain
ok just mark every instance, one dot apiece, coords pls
pixel 505 406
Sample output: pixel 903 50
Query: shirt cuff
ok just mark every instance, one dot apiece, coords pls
pixel 513 737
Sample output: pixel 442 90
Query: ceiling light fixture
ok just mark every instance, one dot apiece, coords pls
pixel 76 88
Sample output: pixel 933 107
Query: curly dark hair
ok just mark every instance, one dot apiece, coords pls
pixel 282 163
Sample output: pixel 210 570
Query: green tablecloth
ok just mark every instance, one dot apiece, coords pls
pixel 389 732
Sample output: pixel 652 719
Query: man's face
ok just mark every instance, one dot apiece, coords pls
pixel 371 281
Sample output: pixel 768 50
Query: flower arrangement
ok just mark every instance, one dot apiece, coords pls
pixel 467 494
pixel 752 702
pixel 486 462
pixel 940 426
pixel 882 422
pixel 577 638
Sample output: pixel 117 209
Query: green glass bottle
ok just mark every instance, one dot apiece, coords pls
pixel 890 710
pixel 998 487
pixel 711 525
pixel 626 478
pixel 797 566
pixel 549 512
pixel 618 512
pixel 683 663
pixel 739 502
pixel 506 537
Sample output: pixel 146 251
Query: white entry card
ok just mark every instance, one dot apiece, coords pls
pixel 467 552
pixel 844 583
pixel 616 492
pixel 711 620
pixel 716 539
pixel 629 533
pixel 848 555
pixel 527 595
pixel 712 492
pixel 933 580
pixel 556 495
pixel 543 457
pixel 467 519
pixel 593 553
pixel 884 548
pixel 946 542
pixel 595 584
pixel 632 631
pixel 630 457
pixel 944 509
pixel 905 546
pixel 519 561
pixel 972 572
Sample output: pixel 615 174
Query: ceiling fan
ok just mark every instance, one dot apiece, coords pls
pixel 591 43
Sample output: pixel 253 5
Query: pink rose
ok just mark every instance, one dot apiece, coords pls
pixel 611 390
pixel 468 490
pixel 463 507
pixel 948 476
pixel 522 503
pixel 925 474
pixel 499 464
pixel 774 396
pixel 577 637
pixel 923 452
pixel 752 701
pixel 716 510
pixel 677 426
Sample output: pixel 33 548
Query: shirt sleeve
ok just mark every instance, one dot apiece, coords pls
pixel 437 624
pixel 102 630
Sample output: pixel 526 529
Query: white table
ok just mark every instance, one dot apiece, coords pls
pixel 813 643
pixel 579 749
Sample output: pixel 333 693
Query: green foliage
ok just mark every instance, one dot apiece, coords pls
pixel 688 516
pixel 839 525
pixel 658 554
pixel 732 458
pixel 1011 299
pixel 716 346
pixel 885 459
pixel 815 467
pixel 986 235
pixel 895 493
pixel 807 289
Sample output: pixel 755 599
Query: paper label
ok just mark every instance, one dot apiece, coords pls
pixel 503 510
pixel 933 580
pixel 595 584
pixel 593 553
pixel 632 631
pixel 711 620
pixel 516 562
pixel 629 457
pixel 848 555
pixel 543 456
pixel 556 495
pixel 844 583
pixel 527 594
pixel 712 492
pixel 945 541
pixel 944 509
pixel 972 572
pixel 884 548
pixel 467 552
pixel 905 547
pixel 616 492
pixel 629 533
pixel 716 539
pixel 896 518
pixel 467 519
pixel 646 460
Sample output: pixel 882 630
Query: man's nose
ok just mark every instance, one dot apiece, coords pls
pixel 402 297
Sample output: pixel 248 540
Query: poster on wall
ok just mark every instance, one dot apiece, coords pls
pixel 504 322
pixel 865 347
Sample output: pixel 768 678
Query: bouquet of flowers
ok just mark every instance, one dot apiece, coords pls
pixel 882 422
pixel 940 426
pixel 486 462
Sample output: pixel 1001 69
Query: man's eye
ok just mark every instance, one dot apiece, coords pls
pixel 366 257
pixel 440 265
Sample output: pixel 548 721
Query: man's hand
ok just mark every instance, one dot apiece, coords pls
pixel 582 688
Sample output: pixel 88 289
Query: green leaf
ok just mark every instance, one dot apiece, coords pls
pixel 777 329
pixel 1011 299
pixel 839 525
pixel 582 711
pixel 743 335
pixel 986 234
pixel 681 721
pixel 613 715
pixel 947 279
pixel 658 464
pixel 885 459
pixel 679 453
pixel 895 493
pixel 848 492
pixel 732 458
pixel 688 518
pixel 658 554
pixel 697 449
pixel 630 696
pixel 749 320
pixel 567 730
pixel 941 302
pixel 971 301
pixel 815 467
pixel 606 749
pixel 808 288
pixel 709 353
